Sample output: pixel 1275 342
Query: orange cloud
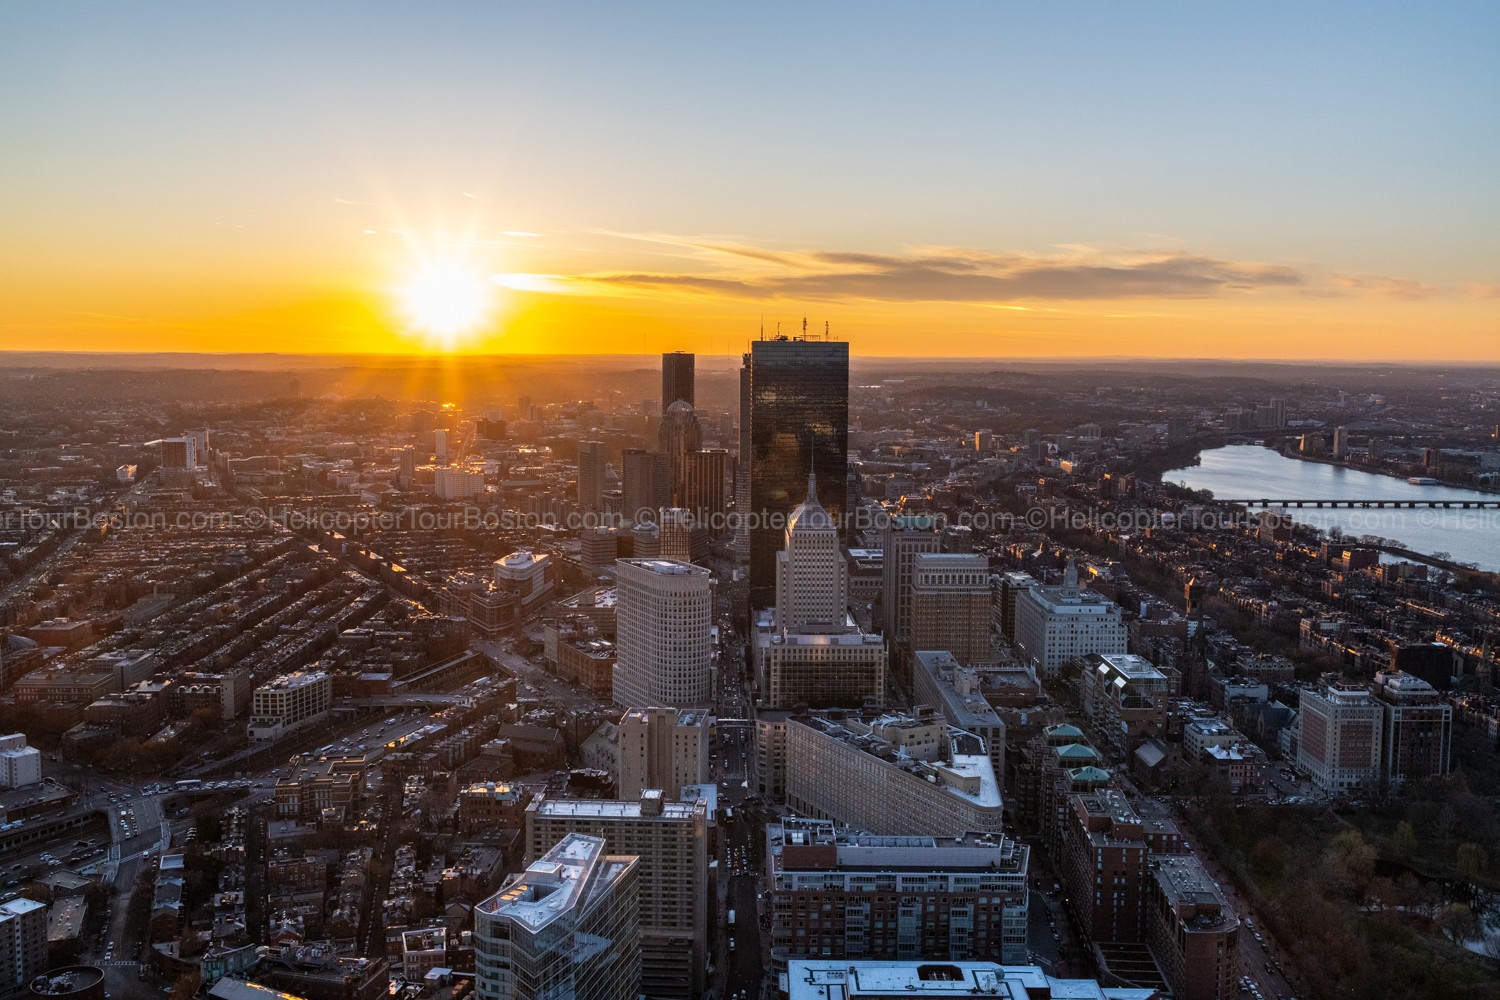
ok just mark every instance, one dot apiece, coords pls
pixel 961 275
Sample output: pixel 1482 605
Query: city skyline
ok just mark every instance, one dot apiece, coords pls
pixel 983 181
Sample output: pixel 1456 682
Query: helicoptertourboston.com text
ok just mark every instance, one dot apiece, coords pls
pixel 1051 518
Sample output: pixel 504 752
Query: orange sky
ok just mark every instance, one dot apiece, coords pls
pixel 229 299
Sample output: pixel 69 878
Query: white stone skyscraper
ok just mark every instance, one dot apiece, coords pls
pixel 808 651
pixel 663 634
pixel 812 581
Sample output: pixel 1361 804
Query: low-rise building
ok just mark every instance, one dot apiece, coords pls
pixel 289 702
pixel 491 806
pixel 20 765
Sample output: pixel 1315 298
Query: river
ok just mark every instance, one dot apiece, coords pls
pixel 1247 470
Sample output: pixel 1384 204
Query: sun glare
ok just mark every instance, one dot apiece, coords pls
pixel 446 302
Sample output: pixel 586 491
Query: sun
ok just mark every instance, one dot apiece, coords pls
pixel 447 302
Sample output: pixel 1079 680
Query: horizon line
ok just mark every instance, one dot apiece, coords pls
pixel 13 353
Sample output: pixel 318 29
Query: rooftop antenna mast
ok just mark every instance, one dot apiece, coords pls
pixel 804 327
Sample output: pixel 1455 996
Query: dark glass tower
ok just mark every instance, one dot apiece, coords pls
pixel 798 403
pixel 676 379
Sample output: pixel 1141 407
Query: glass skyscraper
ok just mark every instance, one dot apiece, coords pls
pixel 796 407
pixel 677 379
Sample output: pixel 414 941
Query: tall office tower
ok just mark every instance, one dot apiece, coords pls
pixel 904 538
pixel 812 583
pixel 708 474
pixel 809 652
pixel 440 445
pixel 742 470
pixel 1056 625
pixel 664 748
pixel 678 438
pixel 677 379
pixel 565 927
pixel 663 638
pixel 676 533
pixel 23 943
pixel 671 841
pixel 951 605
pixel 591 473
pixel 644 481
pixel 406 467
pixel 798 403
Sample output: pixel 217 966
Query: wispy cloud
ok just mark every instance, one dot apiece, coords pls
pixel 957 274
pixel 1391 288
pixel 1483 290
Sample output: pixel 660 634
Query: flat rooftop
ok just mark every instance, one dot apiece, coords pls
pixel 971 766
pixel 612 809
pixel 842 979
pixel 556 883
